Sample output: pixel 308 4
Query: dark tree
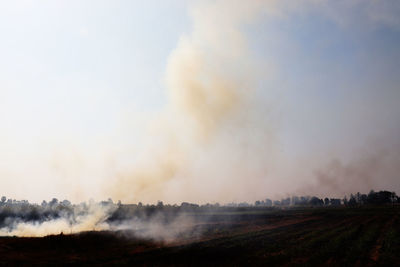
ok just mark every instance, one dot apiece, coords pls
pixel 277 203
pixel 352 201
pixel 335 202
pixel 363 199
pixel 345 201
pixel 314 201
pixel 295 200
pixel 285 202
pixel 66 203
pixel 53 202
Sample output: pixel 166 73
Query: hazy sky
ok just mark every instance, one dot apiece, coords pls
pixel 82 82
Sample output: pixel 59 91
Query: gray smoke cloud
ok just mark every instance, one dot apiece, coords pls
pixel 219 138
pixel 19 218
pixel 376 168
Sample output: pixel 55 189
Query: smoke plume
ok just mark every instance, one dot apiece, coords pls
pixel 377 169
pixel 216 138
pixel 212 121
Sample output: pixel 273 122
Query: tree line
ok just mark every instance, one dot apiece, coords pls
pixel 372 198
pixel 12 210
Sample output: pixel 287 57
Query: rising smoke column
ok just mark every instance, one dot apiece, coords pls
pixel 210 121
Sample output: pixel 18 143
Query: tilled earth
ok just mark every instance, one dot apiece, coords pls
pixel 365 236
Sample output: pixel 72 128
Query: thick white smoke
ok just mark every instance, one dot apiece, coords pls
pixel 216 139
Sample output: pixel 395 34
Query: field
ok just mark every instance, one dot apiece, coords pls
pixel 248 236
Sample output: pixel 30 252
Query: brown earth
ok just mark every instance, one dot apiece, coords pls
pixel 313 237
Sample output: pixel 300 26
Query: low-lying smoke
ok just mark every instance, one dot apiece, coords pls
pixel 31 220
pixel 23 219
pixel 215 139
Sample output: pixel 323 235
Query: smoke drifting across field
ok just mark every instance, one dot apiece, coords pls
pixel 212 141
pixel 31 220
pixel 25 220
pixel 218 137
pixel 376 168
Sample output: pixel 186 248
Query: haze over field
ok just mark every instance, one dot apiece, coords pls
pixel 199 101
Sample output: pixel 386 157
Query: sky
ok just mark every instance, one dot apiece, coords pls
pixel 199 101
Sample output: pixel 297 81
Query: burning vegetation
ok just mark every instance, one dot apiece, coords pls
pixel 309 232
pixel 159 222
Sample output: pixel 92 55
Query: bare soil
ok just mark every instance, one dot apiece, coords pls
pixel 312 237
